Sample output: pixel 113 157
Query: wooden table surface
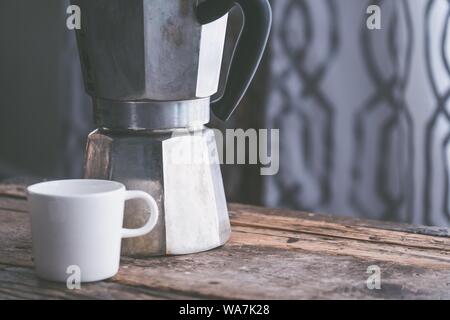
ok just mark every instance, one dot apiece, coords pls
pixel 272 254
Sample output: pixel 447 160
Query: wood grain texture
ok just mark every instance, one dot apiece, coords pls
pixel 273 254
pixel 12 190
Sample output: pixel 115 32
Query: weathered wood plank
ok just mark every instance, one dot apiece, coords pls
pixel 375 224
pixel 13 204
pixel 272 254
pixel 339 231
pixel 286 233
pixel 14 192
pixel 258 262
pixel 399 255
pixel 236 274
pixel 15 239
pixel 21 283
pixel 246 272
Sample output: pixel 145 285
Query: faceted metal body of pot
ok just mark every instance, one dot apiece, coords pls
pixel 181 170
pixel 149 50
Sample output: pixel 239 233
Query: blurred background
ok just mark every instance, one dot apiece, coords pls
pixel 363 114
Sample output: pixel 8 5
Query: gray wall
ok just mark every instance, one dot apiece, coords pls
pixel 44 114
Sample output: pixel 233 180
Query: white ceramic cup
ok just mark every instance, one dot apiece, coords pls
pixel 78 225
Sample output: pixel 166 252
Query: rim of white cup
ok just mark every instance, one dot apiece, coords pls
pixel 50 188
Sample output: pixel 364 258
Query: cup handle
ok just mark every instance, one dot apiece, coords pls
pixel 154 212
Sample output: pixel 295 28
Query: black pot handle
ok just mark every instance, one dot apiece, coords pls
pixel 249 50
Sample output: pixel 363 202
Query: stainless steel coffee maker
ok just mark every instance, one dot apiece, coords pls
pixel 152 68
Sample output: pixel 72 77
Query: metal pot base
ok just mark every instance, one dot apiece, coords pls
pixel 181 170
